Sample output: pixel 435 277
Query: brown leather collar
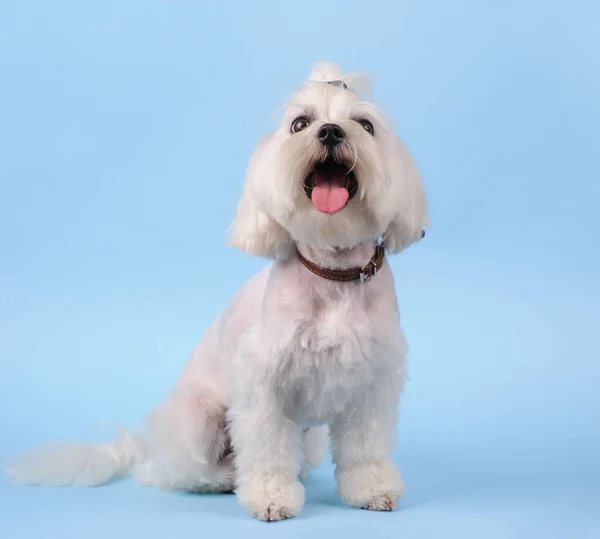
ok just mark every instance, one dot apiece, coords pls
pixel 346 275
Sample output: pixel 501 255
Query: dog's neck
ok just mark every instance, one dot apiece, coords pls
pixel 334 258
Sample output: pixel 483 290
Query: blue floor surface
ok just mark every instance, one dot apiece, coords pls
pixel 436 506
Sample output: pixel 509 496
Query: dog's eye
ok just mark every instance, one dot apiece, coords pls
pixel 367 126
pixel 300 123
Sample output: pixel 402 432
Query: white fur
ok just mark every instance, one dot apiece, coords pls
pixel 293 355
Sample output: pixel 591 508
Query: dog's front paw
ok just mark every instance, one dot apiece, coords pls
pixel 271 502
pixel 370 485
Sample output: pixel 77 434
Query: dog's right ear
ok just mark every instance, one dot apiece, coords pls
pixel 255 232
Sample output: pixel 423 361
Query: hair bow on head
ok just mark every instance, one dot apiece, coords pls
pixel 338 83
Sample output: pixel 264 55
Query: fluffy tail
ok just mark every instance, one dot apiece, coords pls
pixel 78 464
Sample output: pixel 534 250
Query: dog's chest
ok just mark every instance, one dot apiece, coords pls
pixel 336 350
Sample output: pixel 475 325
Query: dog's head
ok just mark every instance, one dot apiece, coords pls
pixel 332 175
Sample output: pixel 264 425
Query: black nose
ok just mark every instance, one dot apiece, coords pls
pixel 331 134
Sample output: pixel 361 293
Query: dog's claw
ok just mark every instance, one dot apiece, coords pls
pixel 382 503
pixel 273 513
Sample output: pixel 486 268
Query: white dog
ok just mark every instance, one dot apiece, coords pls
pixel 310 349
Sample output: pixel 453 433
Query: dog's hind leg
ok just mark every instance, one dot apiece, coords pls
pixel 189 446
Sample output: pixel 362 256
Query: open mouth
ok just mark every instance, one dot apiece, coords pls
pixel 330 185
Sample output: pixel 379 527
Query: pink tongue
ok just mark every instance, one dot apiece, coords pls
pixel 329 195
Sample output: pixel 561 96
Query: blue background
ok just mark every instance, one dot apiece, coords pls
pixel 125 130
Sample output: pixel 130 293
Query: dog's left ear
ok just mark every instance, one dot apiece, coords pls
pixel 409 211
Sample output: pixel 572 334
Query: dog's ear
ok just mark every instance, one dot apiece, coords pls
pixel 399 235
pixel 255 232
pixel 409 212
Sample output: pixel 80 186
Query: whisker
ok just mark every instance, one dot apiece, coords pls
pixel 353 148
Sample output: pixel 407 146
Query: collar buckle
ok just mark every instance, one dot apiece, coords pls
pixel 365 277
pixel 370 270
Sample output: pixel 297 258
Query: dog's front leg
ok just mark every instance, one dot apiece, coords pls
pixel 267 447
pixel 362 444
